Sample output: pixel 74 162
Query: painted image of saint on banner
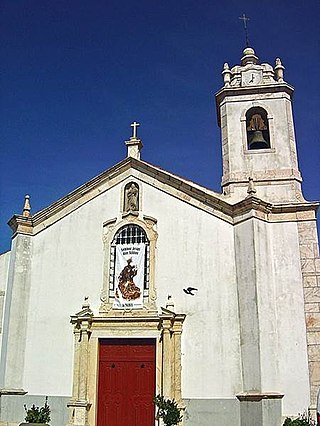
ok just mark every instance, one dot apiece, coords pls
pixel 127 286
pixel 129 275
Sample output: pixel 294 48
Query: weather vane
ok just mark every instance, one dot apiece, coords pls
pixel 245 19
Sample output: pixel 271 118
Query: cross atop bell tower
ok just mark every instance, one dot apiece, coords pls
pixel 245 19
pixel 254 110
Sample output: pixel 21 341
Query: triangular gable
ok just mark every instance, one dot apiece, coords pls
pixel 174 185
pixel 183 189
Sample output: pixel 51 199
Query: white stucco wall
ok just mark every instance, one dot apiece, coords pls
pixel 273 331
pixel 4 270
pixel 197 249
pixel 278 107
pixel 67 264
pixel 289 300
pixel 254 265
pixel 4 267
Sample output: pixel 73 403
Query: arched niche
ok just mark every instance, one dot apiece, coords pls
pixel 131 197
pixel 130 230
pixel 257 129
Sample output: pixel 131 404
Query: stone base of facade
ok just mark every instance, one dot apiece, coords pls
pixel 260 409
pixel 78 413
pixel 12 411
pixel 245 410
pixel 208 412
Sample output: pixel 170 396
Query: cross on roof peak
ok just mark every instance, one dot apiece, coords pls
pixel 134 144
pixel 134 126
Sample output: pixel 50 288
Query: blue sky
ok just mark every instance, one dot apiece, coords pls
pixel 76 73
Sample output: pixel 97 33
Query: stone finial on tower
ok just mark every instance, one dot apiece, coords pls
pixel 226 73
pixel 251 188
pixel 26 208
pixel 278 70
pixel 134 144
pixel 249 57
pixel 22 223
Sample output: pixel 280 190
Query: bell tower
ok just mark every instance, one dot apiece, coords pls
pixel 258 142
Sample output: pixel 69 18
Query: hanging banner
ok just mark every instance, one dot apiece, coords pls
pixel 129 276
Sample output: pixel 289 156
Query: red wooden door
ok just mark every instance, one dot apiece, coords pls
pixel 126 382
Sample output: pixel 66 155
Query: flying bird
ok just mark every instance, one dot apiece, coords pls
pixel 190 290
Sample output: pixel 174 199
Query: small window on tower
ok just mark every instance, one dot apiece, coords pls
pixel 258 136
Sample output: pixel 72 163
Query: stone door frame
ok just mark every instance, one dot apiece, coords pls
pixel 165 328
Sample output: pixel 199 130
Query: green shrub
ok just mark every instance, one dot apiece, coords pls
pixel 38 414
pixel 168 410
pixel 303 420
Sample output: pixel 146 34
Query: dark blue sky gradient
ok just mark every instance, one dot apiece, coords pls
pixel 76 73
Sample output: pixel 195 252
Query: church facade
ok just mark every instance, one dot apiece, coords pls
pixel 141 283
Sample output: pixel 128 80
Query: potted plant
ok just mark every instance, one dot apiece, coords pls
pixel 37 415
pixel 302 420
pixel 168 411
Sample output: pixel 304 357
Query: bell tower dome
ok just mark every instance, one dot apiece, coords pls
pixel 258 142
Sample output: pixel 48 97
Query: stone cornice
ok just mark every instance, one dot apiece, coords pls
pixel 6 391
pixel 244 90
pixel 122 319
pixel 251 207
pixel 294 211
pixel 250 90
pixel 255 207
pixel 261 176
pixel 258 396
pixel 190 190
pixel 185 190
pixel 137 317
pixel 295 207
pixel 251 203
pixel 21 225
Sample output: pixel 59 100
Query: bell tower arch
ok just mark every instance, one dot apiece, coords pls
pixel 255 115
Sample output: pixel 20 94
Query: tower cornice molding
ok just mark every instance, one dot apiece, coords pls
pixel 21 225
pixel 265 88
pixel 254 207
pixel 225 92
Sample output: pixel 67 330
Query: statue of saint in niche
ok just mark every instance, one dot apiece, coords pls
pixel 131 202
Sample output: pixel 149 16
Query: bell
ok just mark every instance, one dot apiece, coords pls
pixel 257 141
